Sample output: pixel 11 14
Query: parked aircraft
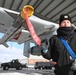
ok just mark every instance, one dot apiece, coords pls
pixel 15 29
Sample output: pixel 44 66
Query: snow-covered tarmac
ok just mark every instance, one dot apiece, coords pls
pixel 26 71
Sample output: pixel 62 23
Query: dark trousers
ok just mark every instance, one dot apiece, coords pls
pixel 64 70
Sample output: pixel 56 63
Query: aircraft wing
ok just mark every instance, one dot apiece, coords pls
pixel 44 29
pixel 15 29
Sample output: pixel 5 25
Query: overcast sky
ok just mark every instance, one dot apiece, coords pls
pixel 7 54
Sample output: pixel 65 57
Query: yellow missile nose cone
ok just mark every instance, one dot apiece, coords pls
pixel 29 9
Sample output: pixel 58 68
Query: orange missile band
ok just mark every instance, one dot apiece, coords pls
pixel 26 12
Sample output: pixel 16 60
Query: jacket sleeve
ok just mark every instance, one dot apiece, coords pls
pixel 48 53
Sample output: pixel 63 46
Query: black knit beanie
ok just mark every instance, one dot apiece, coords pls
pixel 64 17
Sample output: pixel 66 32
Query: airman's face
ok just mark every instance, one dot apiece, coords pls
pixel 66 23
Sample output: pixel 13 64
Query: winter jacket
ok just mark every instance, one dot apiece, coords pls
pixel 56 50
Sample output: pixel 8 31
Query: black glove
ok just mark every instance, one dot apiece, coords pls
pixel 46 54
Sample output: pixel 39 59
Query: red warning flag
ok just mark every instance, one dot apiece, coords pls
pixel 31 28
